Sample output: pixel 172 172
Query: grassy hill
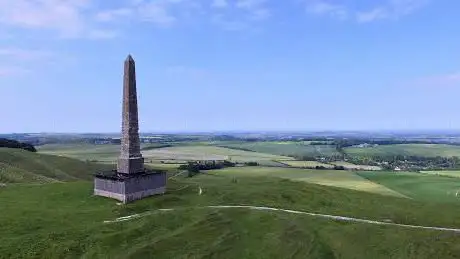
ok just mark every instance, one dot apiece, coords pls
pixel 20 166
pixel 63 220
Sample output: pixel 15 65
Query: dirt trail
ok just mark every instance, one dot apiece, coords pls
pixel 326 216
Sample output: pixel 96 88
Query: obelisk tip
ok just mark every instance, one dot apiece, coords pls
pixel 129 58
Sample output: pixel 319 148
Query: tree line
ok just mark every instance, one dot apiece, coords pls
pixel 9 143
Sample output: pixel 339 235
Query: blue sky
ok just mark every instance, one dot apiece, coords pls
pixel 210 65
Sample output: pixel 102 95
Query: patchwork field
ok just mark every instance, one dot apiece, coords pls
pixel 307 164
pixel 208 153
pixel 287 148
pixel 351 166
pixel 109 153
pixel 418 186
pixel 337 178
pixel 427 150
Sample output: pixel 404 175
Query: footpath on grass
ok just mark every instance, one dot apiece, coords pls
pixel 331 217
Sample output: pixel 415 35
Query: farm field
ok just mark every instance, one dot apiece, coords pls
pixel 443 173
pixel 426 150
pixel 287 148
pixel 208 153
pixel 350 166
pixel 109 153
pixel 67 221
pixel 417 185
pixel 307 164
pixel 337 178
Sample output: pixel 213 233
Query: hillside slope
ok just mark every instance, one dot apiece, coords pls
pixel 63 220
pixel 20 166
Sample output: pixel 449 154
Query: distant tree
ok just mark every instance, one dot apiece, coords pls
pixel 9 143
pixel 251 164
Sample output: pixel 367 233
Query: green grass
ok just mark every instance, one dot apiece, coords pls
pixel 348 165
pixel 418 186
pixel 100 153
pixel 287 148
pixel 19 166
pixel 337 178
pixel 443 173
pixel 63 220
pixel 426 150
pixel 307 164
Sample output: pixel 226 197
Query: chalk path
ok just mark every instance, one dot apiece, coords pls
pixel 331 217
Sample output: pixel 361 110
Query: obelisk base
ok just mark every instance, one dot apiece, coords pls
pixel 129 187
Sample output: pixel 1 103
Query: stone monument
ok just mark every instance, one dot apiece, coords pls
pixel 131 181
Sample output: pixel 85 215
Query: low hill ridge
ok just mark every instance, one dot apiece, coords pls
pixel 20 166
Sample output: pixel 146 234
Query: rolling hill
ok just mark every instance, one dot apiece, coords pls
pixel 65 221
pixel 20 166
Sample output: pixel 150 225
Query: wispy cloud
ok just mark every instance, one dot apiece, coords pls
pixel 66 17
pixel 381 9
pixel 96 19
pixel 394 9
pixel 187 72
pixel 329 9
pixel 23 54
pixel 15 61
pixel 445 80
pixel 220 4
pixel 8 71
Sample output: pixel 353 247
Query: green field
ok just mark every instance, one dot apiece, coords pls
pixel 287 148
pixel 109 153
pixel 418 186
pixel 100 153
pixel 307 164
pixel 337 178
pixel 443 173
pixel 19 166
pixel 351 166
pixel 426 150
pixel 65 221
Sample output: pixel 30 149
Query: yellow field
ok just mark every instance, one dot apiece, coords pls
pixel 337 178
pixel 306 164
pixel 357 167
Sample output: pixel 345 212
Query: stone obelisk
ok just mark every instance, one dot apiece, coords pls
pixel 130 160
pixel 131 181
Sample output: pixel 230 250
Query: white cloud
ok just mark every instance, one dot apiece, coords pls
pixel 382 9
pixel 15 53
pixel 325 8
pixel 12 71
pixel 219 4
pixel 110 15
pixel 445 80
pixel 74 19
pixel 393 9
pixel 64 16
